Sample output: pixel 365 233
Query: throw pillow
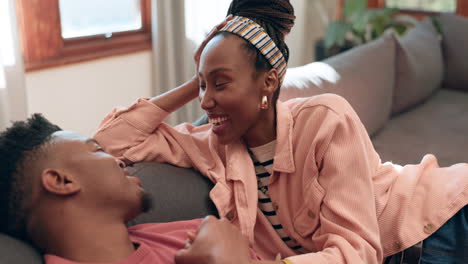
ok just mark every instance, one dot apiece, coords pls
pixel 419 68
pixel 454 44
pixel 363 75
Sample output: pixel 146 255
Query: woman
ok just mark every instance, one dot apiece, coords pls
pixel 299 178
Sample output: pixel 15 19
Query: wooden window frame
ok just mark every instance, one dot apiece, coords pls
pixel 462 9
pixel 43 47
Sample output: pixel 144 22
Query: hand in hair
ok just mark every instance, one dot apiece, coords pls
pixel 210 35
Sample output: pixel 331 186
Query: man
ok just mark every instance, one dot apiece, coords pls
pixel 61 192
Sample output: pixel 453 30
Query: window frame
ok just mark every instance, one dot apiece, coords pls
pixel 43 47
pixel 462 9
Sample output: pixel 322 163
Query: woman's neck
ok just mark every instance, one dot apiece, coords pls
pixel 263 131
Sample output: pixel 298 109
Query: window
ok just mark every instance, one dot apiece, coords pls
pixel 96 17
pixel 421 8
pixel 58 32
pixel 449 6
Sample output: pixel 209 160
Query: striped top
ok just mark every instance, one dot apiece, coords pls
pixel 263 157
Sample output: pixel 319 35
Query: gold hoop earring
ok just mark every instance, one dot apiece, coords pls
pixel 264 104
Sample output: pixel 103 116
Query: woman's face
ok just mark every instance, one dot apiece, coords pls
pixel 231 91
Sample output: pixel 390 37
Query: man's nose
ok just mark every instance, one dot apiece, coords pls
pixel 121 164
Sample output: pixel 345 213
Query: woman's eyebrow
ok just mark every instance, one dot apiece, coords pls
pixel 216 70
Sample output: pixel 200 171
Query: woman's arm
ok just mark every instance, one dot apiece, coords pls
pixel 177 97
pixel 137 133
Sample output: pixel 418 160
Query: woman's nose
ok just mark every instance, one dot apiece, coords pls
pixel 206 100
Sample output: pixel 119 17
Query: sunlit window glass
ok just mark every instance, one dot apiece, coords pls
pixel 92 17
pixel 202 16
pixel 449 6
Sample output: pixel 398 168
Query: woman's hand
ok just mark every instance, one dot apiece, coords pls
pixel 198 52
pixel 216 242
pixel 175 98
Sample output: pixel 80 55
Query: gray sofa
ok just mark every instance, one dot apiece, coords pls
pixel 411 93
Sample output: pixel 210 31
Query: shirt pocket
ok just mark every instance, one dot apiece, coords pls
pixel 306 221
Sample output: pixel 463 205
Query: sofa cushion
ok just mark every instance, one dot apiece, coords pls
pixel 15 251
pixel 178 193
pixel 454 44
pixel 363 75
pixel 419 68
pixel 439 126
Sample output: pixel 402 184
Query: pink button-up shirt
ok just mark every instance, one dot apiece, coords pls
pixel 334 195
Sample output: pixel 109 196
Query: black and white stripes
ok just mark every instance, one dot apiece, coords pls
pixel 263 162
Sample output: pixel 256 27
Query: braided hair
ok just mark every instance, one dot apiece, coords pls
pixel 276 17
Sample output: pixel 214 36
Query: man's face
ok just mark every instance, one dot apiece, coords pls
pixel 104 182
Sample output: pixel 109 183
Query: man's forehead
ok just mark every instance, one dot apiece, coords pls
pixel 70 136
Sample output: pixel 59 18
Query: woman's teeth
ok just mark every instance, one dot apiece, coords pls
pixel 218 120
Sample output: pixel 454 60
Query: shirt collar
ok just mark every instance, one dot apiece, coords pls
pixel 284 159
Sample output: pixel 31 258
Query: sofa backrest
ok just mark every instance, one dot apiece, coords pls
pixel 454 46
pixel 364 76
pixel 379 79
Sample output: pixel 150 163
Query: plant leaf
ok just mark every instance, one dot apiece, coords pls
pixel 353 8
pixel 336 34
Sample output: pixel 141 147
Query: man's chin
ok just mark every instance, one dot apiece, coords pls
pixel 145 205
pixel 146 202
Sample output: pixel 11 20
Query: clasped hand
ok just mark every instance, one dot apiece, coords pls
pixel 217 241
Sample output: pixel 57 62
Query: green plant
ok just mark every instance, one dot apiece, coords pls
pixel 360 25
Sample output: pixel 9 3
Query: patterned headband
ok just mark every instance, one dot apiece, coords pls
pixel 255 34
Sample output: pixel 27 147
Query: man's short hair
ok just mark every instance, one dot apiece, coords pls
pixel 20 147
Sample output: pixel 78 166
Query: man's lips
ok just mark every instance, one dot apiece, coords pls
pixel 132 178
pixel 135 179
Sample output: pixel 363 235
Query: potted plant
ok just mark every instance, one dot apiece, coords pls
pixel 360 25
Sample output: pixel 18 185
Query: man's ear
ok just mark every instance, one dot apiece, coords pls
pixel 59 183
pixel 271 82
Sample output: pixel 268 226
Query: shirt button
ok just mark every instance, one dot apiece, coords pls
pixel 230 215
pixel 275 206
pixel 397 245
pixel 311 214
pixel 429 228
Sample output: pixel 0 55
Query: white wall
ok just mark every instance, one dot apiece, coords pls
pixel 78 96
